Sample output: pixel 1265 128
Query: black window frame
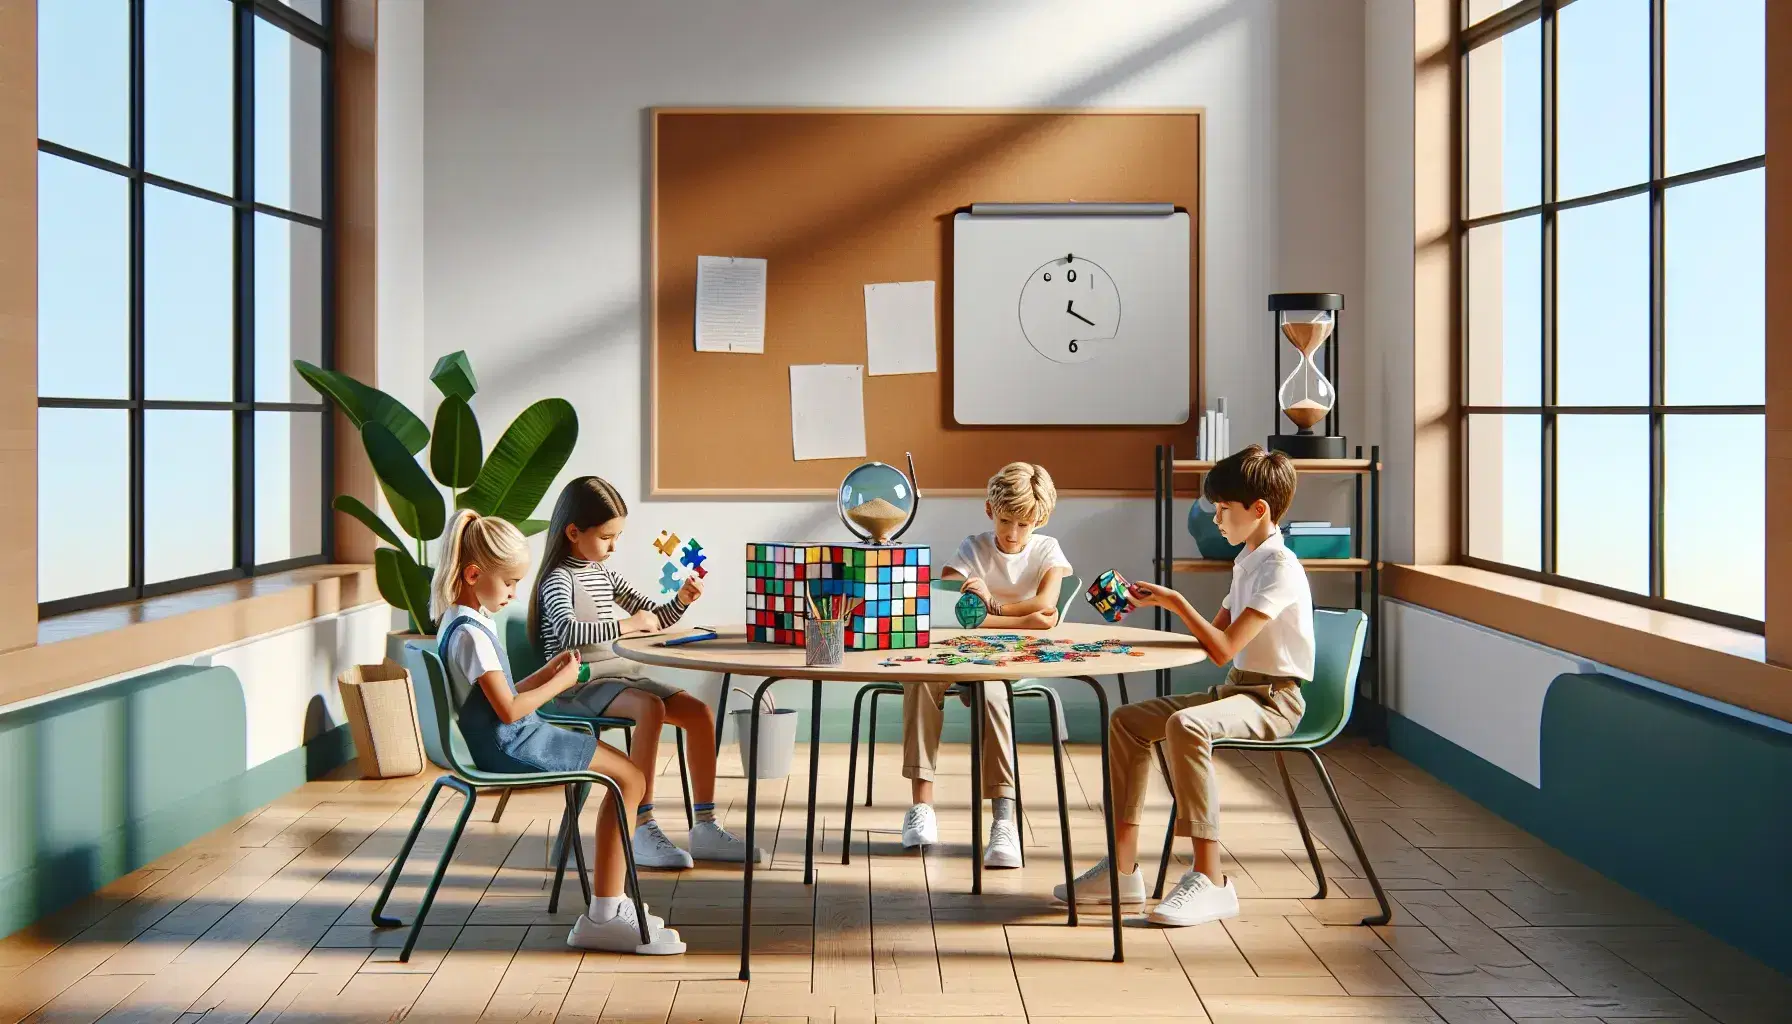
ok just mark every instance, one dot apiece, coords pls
pixel 243 405
pixel 1490 28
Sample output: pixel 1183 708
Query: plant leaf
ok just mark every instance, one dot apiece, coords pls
pixel 348 504
pixel 455 449
pixel 414 499
pixel 524 462
pixel 531 527
pixel 363 405
pixel 404 584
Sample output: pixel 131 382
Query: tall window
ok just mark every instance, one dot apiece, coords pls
pixel 1612 235
pixel 183 264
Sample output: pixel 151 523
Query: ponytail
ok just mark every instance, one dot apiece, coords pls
pixel 471 539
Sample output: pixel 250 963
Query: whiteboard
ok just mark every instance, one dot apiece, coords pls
pixel 1070 318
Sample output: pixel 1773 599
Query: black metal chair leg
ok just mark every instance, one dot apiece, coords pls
pixel 722 711
pixel 435 881
pixel 977 713
pixel 503 802
pixel 1014 760
pixel 628 738
pixel 1306 835
pixel 566 838
pixel 404 852
pixel 1124 699
pixel 1356 844
pixel 852 773
pixel 871 750
pixel 1051 702
pixel 684 779
pixel 1163 863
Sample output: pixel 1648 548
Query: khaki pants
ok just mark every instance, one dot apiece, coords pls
pixel 922 715
pixel 1248 705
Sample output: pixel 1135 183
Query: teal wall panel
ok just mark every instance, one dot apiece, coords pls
pixel 96 785
pixel 1681 804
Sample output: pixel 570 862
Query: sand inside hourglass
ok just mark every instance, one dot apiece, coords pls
pixel 1306 335
pixel 1305 413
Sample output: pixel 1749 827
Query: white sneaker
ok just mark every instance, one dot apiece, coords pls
pixel 1092 886
pixel 654 850
pixel 1004 846
pixel 1195 900
pixel 710 841
pixel 622 934
pixel 920 827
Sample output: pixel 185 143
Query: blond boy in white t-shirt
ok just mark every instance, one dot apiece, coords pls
pixel 1016 572
pixel 1265 628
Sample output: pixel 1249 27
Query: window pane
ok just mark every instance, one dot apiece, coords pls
pixel 1716 473
pixel 314 9
pixel 1602 101
pixel 289 307
pixel 188 303
pixel 289 124
pixel 1481 9
pixel 1602 500
pixel 1716 291
pixel 1505 313
pixel 189 509
pixel 1716 82
pixel 83 502
pixel 1505 498
pixel 1602 303
pixel 289 460
pixel 189 91
pixel 83 76
pixel 1505 122
pixel 83 281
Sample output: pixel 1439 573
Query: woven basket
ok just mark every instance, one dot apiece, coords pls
pixel 382 717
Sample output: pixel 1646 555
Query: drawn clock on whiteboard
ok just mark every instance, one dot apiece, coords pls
pixel 1070 309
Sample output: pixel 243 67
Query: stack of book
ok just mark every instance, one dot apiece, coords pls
pixel 1317 539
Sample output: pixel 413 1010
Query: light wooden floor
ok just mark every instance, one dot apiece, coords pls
pixel 268 919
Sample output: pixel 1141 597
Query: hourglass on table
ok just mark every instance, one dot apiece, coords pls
pixel 1307 397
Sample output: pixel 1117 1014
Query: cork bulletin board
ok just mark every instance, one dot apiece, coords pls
pixel 834 200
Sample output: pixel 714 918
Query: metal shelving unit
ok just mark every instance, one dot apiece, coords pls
pixel 1365 565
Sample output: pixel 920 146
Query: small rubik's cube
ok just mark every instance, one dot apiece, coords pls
pixel 1108 595
pixel 893 581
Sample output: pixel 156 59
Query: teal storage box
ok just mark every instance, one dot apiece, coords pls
pixel 1320 545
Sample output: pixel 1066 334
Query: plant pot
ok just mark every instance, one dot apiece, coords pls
pixel 395 642
pixel 1208 539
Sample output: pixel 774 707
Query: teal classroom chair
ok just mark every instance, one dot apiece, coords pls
pixel 469 781
pixel 1068 588
pixel 525 659
pixel 1338 648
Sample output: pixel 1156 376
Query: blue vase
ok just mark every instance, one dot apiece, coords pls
pixel 1207 536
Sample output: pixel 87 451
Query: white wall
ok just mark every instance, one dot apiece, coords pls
pixel 534 178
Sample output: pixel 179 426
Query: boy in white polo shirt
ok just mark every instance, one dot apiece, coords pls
pixel 1265 628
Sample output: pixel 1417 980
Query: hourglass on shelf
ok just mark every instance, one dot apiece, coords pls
pixel 1307 397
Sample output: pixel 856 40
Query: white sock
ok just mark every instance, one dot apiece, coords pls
pixel 1002 807
pixel 604 907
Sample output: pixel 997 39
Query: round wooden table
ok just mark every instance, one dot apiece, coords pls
pixel 731 654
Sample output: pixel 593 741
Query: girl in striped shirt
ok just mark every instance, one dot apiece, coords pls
pixel 581 605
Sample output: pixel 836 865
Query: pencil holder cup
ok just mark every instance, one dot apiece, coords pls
pixel 1108 596
pixel 824 642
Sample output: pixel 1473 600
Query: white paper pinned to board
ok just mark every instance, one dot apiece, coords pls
pixel 899 328
pixel 730 304
pixel 827 412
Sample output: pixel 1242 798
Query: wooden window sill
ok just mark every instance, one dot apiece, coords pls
pixel 1714 661
pixel 76 649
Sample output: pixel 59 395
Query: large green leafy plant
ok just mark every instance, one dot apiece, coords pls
pixel 508 482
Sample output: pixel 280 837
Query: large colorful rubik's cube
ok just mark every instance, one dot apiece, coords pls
pixel 894 581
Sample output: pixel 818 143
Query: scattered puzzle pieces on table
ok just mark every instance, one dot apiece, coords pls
pixel 1013 648
pixel 666 543
pixel 669 581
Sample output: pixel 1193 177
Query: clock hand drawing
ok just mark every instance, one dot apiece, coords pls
pixel 1069 309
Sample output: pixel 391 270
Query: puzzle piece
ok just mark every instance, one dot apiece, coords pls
pixel 693 556
pixel 669 581
pixel 666 543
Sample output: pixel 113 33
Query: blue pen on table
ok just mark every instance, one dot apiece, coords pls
pixel 704 633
